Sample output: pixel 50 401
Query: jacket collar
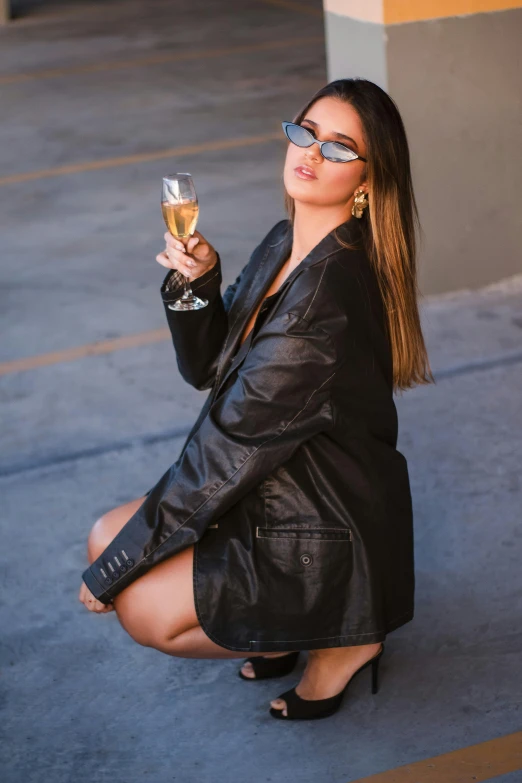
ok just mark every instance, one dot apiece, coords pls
pixel 273 256
pixel 349 231
pixel 277 252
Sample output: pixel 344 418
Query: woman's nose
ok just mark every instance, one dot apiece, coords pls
pixel 313 153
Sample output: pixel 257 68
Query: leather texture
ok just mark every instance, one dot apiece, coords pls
pixel 289 484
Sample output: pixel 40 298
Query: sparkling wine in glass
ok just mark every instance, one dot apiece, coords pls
pixel 179 205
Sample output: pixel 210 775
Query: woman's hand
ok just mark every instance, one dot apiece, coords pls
pixel 92 603
pixel 192 256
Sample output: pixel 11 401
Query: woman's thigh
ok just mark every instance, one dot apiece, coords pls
pixel 159 605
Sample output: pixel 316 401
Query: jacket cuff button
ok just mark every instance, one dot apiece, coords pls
pixel 130 562
pixel 108 581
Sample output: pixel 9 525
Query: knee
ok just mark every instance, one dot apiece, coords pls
pixel 141 635
pixel 99 538
pixel 107 527
pixel 158 639
pixel 141 619
pixel 140 624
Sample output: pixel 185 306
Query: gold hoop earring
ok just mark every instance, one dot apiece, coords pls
pixel 360 203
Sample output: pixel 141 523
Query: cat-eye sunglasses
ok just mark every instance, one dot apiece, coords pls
pixel 331 150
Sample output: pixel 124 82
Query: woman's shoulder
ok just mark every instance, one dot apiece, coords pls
pixel 277 233
pixel 334 278
pixel 340 294
pixel 351 278
pixel 342 277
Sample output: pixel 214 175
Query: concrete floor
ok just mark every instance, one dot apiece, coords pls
pixel 80 700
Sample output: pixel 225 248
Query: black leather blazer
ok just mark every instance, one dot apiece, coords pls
pixel 289 485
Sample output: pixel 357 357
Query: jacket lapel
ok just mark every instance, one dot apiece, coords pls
pixel 272 257
pixel 262 271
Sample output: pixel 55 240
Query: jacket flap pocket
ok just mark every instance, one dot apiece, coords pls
pixel 306 533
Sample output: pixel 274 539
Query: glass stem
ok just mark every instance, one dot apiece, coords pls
pixel 187 290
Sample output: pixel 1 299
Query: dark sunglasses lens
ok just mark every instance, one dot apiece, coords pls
pixel 338 153
pixel 299 135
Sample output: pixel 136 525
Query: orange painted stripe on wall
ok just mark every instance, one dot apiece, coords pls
pixel 398 11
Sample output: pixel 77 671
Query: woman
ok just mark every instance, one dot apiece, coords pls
pixel 286 522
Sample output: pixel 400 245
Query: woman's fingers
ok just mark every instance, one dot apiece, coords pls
pixel 195 245
pixel 91 603
pixel 192 256
pixel 175 260
pixel 103 608
pixel 191 244
pixel 174 242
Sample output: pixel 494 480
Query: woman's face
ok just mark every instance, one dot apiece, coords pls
pixel 335 184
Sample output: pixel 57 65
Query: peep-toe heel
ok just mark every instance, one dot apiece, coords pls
pixel 265 668
pixel 312 709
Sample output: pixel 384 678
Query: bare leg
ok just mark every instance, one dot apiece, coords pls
pixel 194 643
pixel 327 671
pixel 148 611
pixel 158 610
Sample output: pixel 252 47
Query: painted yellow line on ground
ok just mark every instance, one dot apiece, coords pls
pixel 473 764
pixel 293 6
pixel 156 59
pixel 81 351
pixel 144 157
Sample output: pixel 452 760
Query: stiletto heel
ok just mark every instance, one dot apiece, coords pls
pixel 265 668
pixel 311 709
pixel 375 671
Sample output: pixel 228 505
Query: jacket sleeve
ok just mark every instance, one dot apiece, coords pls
pixel 198 335
pixel 279 398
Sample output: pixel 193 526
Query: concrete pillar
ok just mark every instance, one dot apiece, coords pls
pixel 453 67
pixel 4 11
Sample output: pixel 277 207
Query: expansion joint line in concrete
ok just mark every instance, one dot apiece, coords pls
pixel 53 460
pixel 166 435
pixel 161 335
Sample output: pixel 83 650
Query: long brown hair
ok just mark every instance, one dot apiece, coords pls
pixel 390 222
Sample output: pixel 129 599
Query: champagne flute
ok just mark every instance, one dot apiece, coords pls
pixel 179 205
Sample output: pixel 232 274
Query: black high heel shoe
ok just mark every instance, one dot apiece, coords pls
pixel 312 709
pixel 264 668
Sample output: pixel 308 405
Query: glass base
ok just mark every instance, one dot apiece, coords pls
pixel 188 303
